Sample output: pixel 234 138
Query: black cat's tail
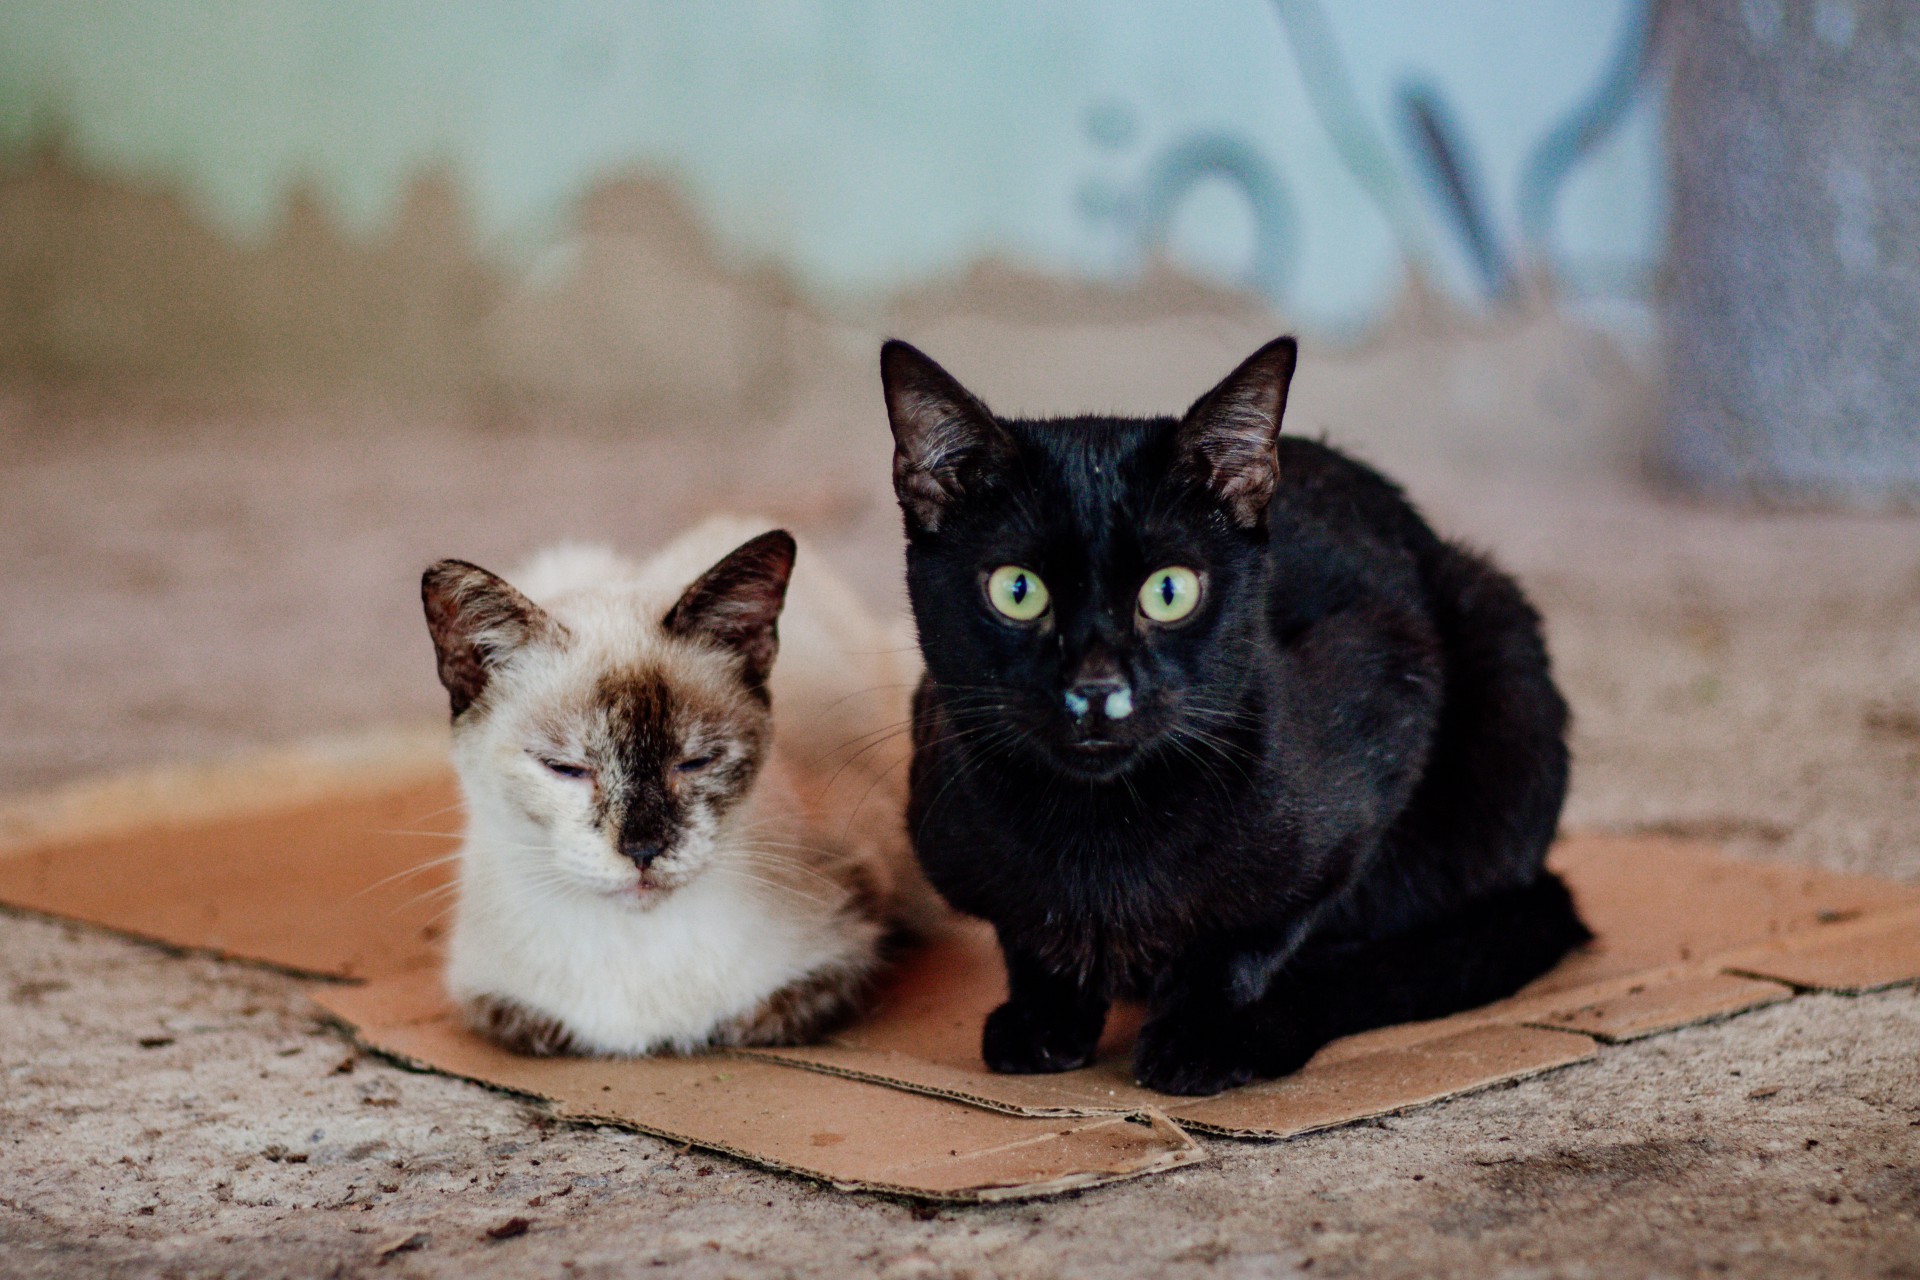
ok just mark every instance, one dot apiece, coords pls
pixel 1483 951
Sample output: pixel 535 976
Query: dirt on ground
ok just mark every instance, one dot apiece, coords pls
pixel 189 581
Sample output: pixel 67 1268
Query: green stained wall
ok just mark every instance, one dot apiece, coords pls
pixel 863 145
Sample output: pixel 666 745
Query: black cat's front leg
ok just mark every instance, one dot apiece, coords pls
pixel 1222 1016
pixel 1050 1022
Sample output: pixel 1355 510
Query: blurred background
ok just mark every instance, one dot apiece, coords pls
pixel 296 297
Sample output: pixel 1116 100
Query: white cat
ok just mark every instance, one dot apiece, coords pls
pixel 672 841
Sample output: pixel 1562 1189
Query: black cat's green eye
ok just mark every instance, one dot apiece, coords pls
pixel 1017 593
pixel 1170 594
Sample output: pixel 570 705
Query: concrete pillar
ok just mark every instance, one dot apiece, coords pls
pixel 1793 295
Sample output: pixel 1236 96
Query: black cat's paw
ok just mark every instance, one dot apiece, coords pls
pixel 1197 1052
pixel 1022 1040
pixel 1190 1058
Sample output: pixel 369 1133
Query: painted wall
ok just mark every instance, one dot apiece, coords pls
pixel 866 145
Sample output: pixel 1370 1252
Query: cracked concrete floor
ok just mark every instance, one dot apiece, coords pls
pixel 190 584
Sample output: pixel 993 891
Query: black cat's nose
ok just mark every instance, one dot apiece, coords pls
pixel 1106 696
pixel 641 854
pixel 1098 688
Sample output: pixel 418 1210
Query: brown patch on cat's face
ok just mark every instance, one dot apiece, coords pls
pixel 675 756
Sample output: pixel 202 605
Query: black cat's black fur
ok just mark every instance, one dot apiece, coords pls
pixel 1322 804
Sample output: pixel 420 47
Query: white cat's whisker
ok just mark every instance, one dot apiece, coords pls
pixel 409 872
pixel 764 858
pixel 438 891
pixel 445 808
pixel 777 869
pixel 743 874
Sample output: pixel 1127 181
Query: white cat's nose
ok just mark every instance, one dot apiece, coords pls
pixel 641 854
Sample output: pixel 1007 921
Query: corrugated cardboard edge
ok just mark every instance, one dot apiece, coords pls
pixel 1523 1053
pixel 1877 950
pixel 261 782
pixel 918 1075
pixel 1177 1149
pixel 174 947
pixel 1870 953
pixel 1632 1007
pixel 1545 1033
pixel 349 883
pixel 1527 1051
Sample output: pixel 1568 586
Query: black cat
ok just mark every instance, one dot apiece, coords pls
pixel 1213 717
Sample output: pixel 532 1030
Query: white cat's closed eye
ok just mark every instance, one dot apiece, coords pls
pixel 565 769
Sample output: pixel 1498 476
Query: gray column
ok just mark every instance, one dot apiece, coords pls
pixel 1793 297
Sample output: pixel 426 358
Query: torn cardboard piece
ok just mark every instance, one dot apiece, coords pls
pixel 854 1135
pixel 1616 1010
pixel 1850 957
pixel 1654 902
pixel 347 878
pixel 1662 911
pixel 1385 1081
pixel 924 1034
pixel 343 873
pixel 327 768
pixel 346 885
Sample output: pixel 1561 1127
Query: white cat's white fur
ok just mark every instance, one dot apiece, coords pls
pixel 549 915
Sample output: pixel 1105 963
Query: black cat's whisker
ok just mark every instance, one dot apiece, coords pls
pixel 986 712
pixel 881 777
pixel 1230 753
pixel 1206 768
pixel 872 688
pixel 968 763
pixel 848 763
pixel 834 779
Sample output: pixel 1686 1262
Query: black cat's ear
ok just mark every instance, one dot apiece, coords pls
pixel 477 620
pixel 736 604
pixel 944 439
pixel 1228 441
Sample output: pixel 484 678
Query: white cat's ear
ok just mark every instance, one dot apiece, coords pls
pixel 1229 440
pixel 477 619
pixel 943 437
pixel 737 603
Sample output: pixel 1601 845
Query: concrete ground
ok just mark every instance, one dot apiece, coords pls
pixel 187 581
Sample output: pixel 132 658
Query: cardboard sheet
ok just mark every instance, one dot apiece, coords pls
pixel 1620 1009
pixel 334 864
pixel 855 1135
pixel 1663 910
pixel 925 1034
pixel 1864 954
pixel 348 886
